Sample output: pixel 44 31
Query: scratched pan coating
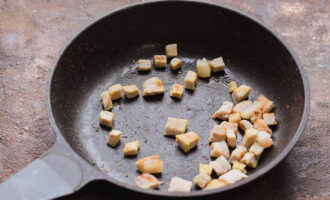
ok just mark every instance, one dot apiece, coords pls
pixel 103 55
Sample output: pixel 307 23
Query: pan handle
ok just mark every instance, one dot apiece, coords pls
pixel 59 172
pixel 51 176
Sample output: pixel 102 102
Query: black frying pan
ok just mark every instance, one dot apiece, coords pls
pixel 103 54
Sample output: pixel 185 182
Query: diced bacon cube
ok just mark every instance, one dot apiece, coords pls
pixel 219 149
pixel 175 126
pixel 232 176
pixel 261 125
pixel 202 179
pixel 217 134
pixel 241 93
pixel 179 185
pixel 269 119
pixel 224 111
pixel 220 165
pixel 147 181
pixel 238 153
pixel 150 164
pixel 187 141
pixel 249 138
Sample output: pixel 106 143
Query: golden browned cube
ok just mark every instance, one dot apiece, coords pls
pixel 190 80
pixel 215 183
pixel 239 166
pixel 232 86
pixel 269 119
pixel 177 91
pixel 187 141
pixel 264 139
pixel 249 160
pixel 249 138
pixel 224 111
pixel 229 125
pixel 175 126
pixel 114 137
pixel 106 100
pixel 245 124
pixel 205 168
pixel 176 63
pixel 234 118
pixel 153 86
pixel 231 138
pixel 238 153
pixel 219 149
pixel 256 149
pixel 250 110
pixel 147 181
pixel 238 108
pixel 116 91
pixel 143 65
pixel 241 93
pixel 218 133
pixel 202 179
pixel 131 148
pixel 131 91
pixel 220 165
pixel 150 164
pixel 261 125
pixel 171 50
pixel 106 118
pixel 267 105
pixel 217 64
pixel 160 61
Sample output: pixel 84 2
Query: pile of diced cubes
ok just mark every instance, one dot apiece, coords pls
pixel 230 159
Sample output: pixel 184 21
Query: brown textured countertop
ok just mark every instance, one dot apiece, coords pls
pixel 33 31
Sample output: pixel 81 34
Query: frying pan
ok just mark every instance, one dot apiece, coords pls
pixel 103 54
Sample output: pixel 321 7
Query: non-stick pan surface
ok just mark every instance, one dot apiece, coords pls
pixel 103 55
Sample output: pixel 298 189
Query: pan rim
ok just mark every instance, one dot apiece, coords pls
pixel 200 193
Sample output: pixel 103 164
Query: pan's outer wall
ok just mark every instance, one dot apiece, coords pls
pixel 100 55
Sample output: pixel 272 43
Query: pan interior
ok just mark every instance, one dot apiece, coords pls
pixel 103 55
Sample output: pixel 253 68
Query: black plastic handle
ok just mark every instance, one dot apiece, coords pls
pixel 51 176
pixel 59 172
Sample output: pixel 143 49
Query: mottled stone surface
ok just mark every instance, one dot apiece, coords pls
pixel 32 32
